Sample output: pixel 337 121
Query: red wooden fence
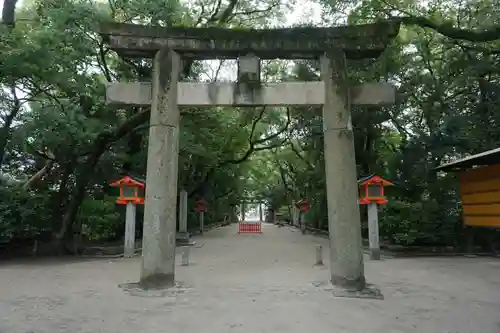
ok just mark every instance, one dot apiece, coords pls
pixel 250 228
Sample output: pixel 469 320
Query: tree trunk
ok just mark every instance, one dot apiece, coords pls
pixel 42 172
pixel 62 194
pixel 4 136
pixel 5 130
pixel 9 12
pixel 65 238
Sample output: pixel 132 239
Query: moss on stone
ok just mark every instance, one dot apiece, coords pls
pixel 365 40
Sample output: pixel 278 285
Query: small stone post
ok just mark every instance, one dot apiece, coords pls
pixel 319 255
pixel 129 246
pixel 373 235
pixel 302 222
pixel 295 215
pixel 183 213
pixel 344 223
pixel 160 210
pixel 202 222
pixel 185 256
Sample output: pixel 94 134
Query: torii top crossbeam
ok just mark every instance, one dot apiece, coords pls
pixel 358 42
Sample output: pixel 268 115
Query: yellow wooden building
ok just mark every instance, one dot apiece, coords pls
pixel 479 177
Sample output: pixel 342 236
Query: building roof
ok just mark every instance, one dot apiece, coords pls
pixel 127 180
pixel 485 158
pixel 374 179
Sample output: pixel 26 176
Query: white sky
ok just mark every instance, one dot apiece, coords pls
pixel 304 11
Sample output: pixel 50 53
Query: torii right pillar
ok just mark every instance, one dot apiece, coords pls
pixel 344 222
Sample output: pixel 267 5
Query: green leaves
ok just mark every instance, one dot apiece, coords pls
pixel 448 92
pixel 101 218
pixel 23 214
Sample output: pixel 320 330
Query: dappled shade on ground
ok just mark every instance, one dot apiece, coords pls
pixel 256 283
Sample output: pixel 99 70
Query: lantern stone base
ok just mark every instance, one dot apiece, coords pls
pixel 184 239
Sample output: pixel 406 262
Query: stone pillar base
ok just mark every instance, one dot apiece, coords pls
pixel 342 282
pixel 159 290
pixel 368 292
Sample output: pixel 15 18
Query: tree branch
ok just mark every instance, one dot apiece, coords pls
pixel 448 30
pixel 255 11
pixel 103 64
pixel 252 143
pixel 251 149
pixel 9 118
pixel 226 14
pixel 202 13
pixel 299 155
pixel 219 21
pixel 215 12
pixel 43 171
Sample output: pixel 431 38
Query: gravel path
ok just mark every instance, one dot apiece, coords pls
pixel 251 284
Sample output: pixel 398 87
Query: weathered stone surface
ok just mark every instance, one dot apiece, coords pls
pixel 319 255
pixel 158 246
pixel 202 222
pixel 274 94
pixel 373 235
pixel 249 68
pixel 368 292
pixel 248 87
pixel 360 41
pixel 344 224
pixel 138 289
pixel 130 217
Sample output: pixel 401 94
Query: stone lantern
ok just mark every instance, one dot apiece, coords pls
pixel 131 194
pixel 371 190
pixel 371 193
pixel 131 191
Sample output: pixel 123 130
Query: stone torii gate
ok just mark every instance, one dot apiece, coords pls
pixel 165 93
pixel 243 207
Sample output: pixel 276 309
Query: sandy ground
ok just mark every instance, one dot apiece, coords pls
pixel 251 284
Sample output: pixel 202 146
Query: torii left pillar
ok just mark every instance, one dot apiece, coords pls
pixel 344 224
pixel 160 210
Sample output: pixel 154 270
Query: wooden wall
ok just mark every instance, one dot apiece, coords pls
pixel 480 194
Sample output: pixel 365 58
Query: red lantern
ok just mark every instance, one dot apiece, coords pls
pixel 200 206
pixel 131 190
pixel 303 206
pixel 371 190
